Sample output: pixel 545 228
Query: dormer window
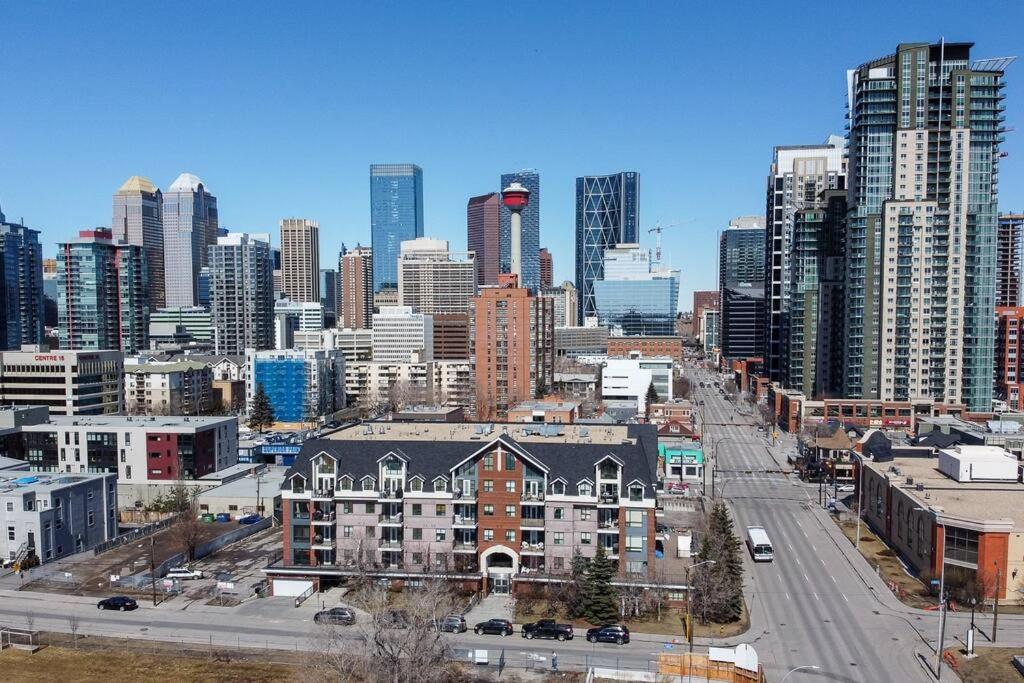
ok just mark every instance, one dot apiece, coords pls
pixel 586 489
pixel 558 488
pixel 636 492
pixel 440 484
pixel 326 466
pixel 298 485
pixel 393 467
pixel 346 483
pixel 609 470
pixel 416 485
pixel 368 484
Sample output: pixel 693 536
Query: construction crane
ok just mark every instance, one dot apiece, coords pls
pixel 657 230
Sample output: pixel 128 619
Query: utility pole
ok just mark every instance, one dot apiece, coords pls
pixel 995 605
pixel 152 566
pixel 942 608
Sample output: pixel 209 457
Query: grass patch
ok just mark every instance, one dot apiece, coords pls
pixel 58 663
pixel 992 665
pixel 671 623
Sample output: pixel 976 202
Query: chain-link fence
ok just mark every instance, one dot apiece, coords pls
pixel 546 660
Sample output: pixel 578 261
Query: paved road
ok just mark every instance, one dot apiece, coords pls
pixel 808 607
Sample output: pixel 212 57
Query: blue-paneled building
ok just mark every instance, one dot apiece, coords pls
pixel 302 385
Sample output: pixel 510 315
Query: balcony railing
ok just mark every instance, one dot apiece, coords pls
pixel 608 526
pixel 326 494
pixel 532 522
pixel 532 497
pixel 464 545
pixel 323 517
pixel 608 499
pixel 532 547
pixel 390 519
pixel 390 544
pixel 611 549
pixel 389 494
pixel 462 495
pixel 463 520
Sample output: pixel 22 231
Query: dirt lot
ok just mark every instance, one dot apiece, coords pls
pixel 66 664
pixel 992 665
pixel 910 591
pixel 92 576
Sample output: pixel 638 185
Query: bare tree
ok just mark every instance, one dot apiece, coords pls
pixel 393 646
pixel 187 530
pixel 74 623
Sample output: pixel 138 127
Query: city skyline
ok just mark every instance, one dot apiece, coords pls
pixel 697 155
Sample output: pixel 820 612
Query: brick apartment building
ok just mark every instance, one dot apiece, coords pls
pixel 1010 356
pixel 648 346
pixel 493 507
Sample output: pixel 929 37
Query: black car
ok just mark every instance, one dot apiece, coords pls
pixel 341 616
pixel 118 602
pixel 609 633
pixel 454 623
pixel 498 627
pixel 547 628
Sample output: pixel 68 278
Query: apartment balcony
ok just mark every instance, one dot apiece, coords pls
pixel 608 528
pixel 323 494
pixel 531 548
pixel 608 500
pixel 321 517
pixel 322 543
pixel 390 544
pixel 464 546
pixel 462 497
pixel 387 495
pixel 531 523
pixel 390 520
pixel 464 521
pixel 532 498
pixel 612 551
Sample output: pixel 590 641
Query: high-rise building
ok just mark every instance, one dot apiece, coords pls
pixel 798 176
pixel 190 227
pixel 103 293
pixel 564 298
pixel 330 287
pixel 295 316
pixel 546 268
pixel 812 342
pixel 452 336
pixel 1008 259
pixel 710 325
pixel 701 300
pixel 925 126
pixel 22 285
pixel 607 214
pixel 356 268
pixel 634 297
pixel 401 335
pixel 242 293
pixel 138 219
pixel 1010 356
pixel 741 288
pixel 529 245
pixel 433 279
pixel 300 259
pixel 396 215
pixel 483 221
pixel 49 295
pixel 514 347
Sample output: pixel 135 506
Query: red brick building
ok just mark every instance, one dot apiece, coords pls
pixel 621 347
pixel 701 301
pixel 1010 355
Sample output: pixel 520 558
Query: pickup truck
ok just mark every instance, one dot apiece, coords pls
pixel 547 628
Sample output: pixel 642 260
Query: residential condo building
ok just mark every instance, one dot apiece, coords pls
pixel 356 268
pixel 300 259
pixel 433 279
pixel 21 285
pixel 241 287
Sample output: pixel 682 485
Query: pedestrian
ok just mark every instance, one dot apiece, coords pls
pixel 554 662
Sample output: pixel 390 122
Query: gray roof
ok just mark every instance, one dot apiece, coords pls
pixel 431 459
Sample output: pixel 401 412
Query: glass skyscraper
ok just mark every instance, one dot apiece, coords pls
pixel 21 285
pixel 190 228
pixel 607 214
pixel 741 278
pixel 530 240
pixel 633 297
pixel 396 215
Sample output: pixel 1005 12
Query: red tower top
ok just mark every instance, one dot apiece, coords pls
pixel 515 197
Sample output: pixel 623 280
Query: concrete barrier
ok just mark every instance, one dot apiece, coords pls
pixel 243 531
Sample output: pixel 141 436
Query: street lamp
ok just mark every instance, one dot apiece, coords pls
pixel 942 597
pixel 812 667
pixel 689 601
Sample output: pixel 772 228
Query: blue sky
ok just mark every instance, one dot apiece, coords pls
pixel 280 110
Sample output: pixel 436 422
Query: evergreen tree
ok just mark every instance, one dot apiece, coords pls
pixel 652 394
pixel 729 562
pixel 573 595
pixel 262 414
pixel 600 605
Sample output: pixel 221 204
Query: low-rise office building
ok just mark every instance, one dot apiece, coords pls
pixel 53 516
pixel 492 506
pixel 560 412
pixel 573 342
pixel 961 509
pixel 67 382
pixel 629 379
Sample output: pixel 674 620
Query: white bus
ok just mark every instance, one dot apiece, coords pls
pixel 759 544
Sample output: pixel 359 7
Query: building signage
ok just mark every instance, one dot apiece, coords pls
pixel 280 450
pixel 49 357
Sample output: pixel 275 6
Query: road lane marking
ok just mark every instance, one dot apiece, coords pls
pixel 807 578
pixel 844 597
pixel 833 579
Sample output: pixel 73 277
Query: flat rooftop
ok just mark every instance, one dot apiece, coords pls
pixel 472 431
pixel 546 405
pixel 123 421
pixel 270 480
pixel 20 483
pixel 972 501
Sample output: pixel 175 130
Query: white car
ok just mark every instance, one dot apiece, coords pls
pixel 846 488
pixel 183 573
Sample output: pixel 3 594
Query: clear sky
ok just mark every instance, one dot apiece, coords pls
pixel 281 110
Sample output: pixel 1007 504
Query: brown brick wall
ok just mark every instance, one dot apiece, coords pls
pixel 499 498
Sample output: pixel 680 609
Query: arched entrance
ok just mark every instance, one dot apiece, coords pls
pixel 500 563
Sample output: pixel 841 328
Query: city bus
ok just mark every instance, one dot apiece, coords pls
pixel 759 544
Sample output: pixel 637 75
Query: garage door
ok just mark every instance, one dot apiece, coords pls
pixel 291 588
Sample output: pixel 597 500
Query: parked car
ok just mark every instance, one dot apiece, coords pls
pixel 676 487
pixel 341 616
pixel 846 488
pixel 494 627
pixel 183 573
pixel 547 628
pixel 609 633
pixel 249 519
pixel 453 623
pixel 119 602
